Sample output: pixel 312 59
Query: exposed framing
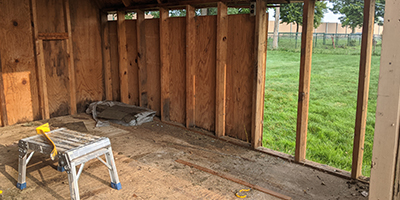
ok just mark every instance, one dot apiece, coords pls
pixel 190 67
pixel 106 55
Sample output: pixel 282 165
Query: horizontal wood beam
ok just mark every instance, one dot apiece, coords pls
pixel 363 88
pixel 52 36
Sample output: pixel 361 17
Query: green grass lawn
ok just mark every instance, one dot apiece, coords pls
pixel 332 110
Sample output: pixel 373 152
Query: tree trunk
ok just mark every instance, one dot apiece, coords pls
pixel 353 30
pixel 276 29
pixel 297 32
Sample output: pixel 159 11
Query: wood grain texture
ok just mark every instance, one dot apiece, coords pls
pixel 123 58
pixel 221 56
pixel 114 60
pixel 132 59
pixel 17 55
pixel 304 80
pixel 190 66
pixel 141 58
pixel 52 36
pixel 363 88
pixel 239 76
pixel 165 64
pixel 3 106
pixel 50 16
pixel 106 52
pixel 57 77
pixel 260 60
pixel 153 86
pixel 385 154
pixel 86 40
pixel 205 53
pixel 177 77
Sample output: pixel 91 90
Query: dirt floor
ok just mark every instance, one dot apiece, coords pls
pixel 145 158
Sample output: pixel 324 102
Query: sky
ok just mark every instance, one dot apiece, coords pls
pixel 328 16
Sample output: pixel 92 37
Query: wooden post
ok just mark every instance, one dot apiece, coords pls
pixel 3 106
pixel 190 67
pixel 44 101
pixel 304 82
pixel 105 38
pixel 385 173
pixel 165 65
pixel 222 49
pixel 141 58
pixel 123 57
pixel 70 60
pixel 363 88
pixel 260 54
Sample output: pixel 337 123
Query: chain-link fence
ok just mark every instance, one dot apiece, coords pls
pixel 326 43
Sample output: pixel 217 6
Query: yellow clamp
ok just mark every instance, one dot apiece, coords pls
pixel 43 129
pixel 242 190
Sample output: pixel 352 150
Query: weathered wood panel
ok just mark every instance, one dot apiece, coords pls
pixel 133 76
pixel 153 86
pixel 205 68
pixel 87 49
pixel 239 76
pixel 17 55
pixel 114 61
pixel 190 66
pixel 50 16
pixel 165 64
pixel 176 51
pixel 56 69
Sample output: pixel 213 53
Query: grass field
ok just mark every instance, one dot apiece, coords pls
pixel 333 97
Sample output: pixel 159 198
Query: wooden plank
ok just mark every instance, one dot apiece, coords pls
pixel 239 76
pixel 3 106
pixel 205 69
pixel 177 69
pixel 222 49
pixel 190 66
pixel 304 80
pixel 52 36
pixel 165 65
pixel 70 59
pixel 114 61
pixel 106 52
pixel 153 86
pixel 363 88
pixel 123 57
pixel 133 64
pixel 42 83
pixel 260 54
pixel 86 37
pixel 141 58
pixel 385 154
pixel 236 180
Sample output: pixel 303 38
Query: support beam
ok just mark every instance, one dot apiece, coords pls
pixel 222 50
pixel 304 82
pixel 363 88
pixel 385 154
pixel 165 65
pixel 190 66
pixel 41 71
pixel 141 58
pixel 260 60
pixel 105 38
pixel 3 107
pixel 123 57
pixel 70 59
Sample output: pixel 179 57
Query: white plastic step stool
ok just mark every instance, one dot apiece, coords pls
pixel 74 149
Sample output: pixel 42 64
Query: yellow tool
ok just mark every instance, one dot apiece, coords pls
pixel 242 190
pixel 43 129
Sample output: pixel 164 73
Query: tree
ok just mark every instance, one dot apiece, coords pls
pixel 293 13
pixel 353 12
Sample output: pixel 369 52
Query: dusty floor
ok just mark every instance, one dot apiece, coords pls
pixel 145 158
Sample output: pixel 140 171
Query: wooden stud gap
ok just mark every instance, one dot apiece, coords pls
pixel 52 36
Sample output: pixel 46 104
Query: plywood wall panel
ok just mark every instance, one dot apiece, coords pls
pixel 56 68
pixel 205 43
pixel 133 81
pixel 153 64
pixel 114 60
pixel 50 16
pixel 86 40
pixel 18 61
pixel 239 76
pixel 176 51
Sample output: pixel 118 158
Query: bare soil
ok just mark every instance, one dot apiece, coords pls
pixel 145 157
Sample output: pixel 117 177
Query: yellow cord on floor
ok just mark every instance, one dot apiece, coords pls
pixel 43 129
pixel 242 190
